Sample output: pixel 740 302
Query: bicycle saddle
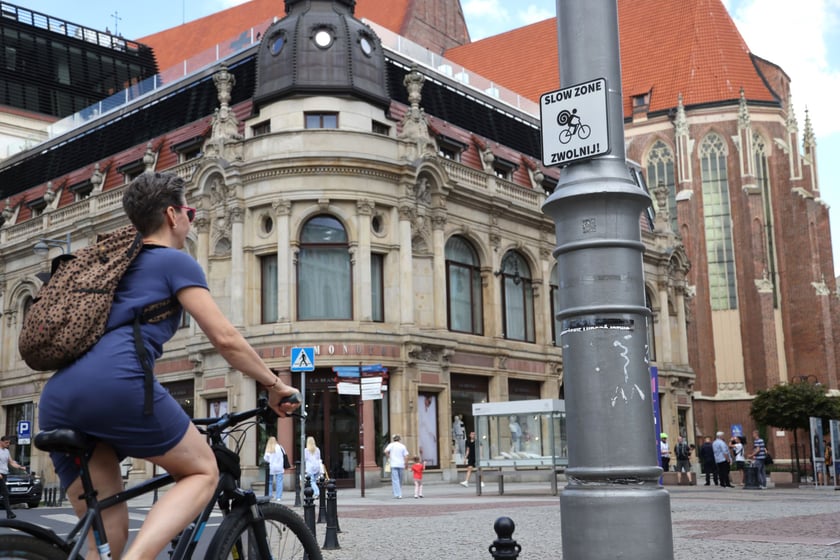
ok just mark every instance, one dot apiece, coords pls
pixel 64 440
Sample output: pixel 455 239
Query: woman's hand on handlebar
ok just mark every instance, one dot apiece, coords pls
pixel 284 399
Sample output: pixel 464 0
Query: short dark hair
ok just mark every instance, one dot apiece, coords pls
pixel 5 438
pixel 149 195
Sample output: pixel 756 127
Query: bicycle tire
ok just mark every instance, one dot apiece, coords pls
pixel 26 547
pixel 288 535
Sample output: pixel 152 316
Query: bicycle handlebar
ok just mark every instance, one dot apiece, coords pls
pixel 229 420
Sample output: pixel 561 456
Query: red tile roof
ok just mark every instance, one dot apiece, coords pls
pixel 172 46
pixel 668 47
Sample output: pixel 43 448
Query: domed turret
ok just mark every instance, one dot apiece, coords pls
pixel 320 48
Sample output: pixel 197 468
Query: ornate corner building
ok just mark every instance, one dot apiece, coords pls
pixel 363 196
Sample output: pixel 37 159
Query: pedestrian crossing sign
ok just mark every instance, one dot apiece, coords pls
pixel 303 359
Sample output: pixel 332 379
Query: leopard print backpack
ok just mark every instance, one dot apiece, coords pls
pixel 69 313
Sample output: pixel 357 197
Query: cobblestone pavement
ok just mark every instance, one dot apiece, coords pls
pixel 708 522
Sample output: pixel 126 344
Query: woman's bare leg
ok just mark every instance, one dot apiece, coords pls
pixel 193 466
pixel 107 479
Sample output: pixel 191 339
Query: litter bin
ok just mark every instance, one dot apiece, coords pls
pixel 751 478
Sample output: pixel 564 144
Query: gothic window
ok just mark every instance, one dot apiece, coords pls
pixel 517 298
pixel 762 179
pixel 660 169
pixel 463 287
pixel 324 277
pixel 720 251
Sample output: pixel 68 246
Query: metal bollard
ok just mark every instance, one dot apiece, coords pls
pixel 331 536
pixel 309 508
pixel 504 547
pixel 335 509
pixel 322 510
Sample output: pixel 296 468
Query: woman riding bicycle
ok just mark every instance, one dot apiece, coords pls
pixel 102 393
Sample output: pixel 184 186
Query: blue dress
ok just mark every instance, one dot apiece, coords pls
pixel 102 393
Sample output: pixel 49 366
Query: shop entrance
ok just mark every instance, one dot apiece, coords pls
pixel 332 419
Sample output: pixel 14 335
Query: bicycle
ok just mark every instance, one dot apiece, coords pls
pixel 252 527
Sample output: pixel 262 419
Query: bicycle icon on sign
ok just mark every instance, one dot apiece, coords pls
pixel 571 120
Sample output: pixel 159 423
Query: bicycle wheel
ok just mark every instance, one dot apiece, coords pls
pixel 288 536
pixel 584 131
pixel 27 547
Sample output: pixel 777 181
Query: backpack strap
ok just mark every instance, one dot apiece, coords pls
pixel 148 370
pixel 153 313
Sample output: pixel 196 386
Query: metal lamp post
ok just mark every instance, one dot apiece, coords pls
pixel 43 246
pixel 613 505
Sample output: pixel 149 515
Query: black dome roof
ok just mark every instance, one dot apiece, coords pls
pixel 319 47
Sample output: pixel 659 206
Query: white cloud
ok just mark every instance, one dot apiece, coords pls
pixel 798 41
pixel 533 14
pixel 485 10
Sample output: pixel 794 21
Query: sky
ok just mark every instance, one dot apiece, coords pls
pixel 804 42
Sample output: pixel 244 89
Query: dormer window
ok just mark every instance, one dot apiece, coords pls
pixel 641 103
pixel 132 169
pixel 450 148
pixel 504 169
pixel 188 149
pixel 81 190
pixel 37 206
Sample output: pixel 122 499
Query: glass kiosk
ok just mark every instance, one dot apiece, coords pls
pixel 520 436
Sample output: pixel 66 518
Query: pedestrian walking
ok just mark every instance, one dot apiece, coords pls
pixel 396 453
pixel 683 454
pixel 417 469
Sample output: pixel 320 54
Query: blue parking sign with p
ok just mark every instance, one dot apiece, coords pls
pixel 24 429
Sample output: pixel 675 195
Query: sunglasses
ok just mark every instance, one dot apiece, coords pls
pixel 190 212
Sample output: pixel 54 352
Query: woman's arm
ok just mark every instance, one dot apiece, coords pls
pixel 233 347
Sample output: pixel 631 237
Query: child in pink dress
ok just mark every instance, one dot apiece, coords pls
pixel 417 468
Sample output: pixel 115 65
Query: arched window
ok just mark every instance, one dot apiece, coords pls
pixel 464 304
pixel 554 282
pixel 762 179
pixel 517 298
pixel 720 252
pixel 660 169
pixel 324 281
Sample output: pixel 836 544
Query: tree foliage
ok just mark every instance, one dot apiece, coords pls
pixel 789 406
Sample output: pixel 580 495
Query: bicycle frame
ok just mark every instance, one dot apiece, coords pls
pixel 227 491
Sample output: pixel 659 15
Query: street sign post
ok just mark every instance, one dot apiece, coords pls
pixel 574 123
pixel 24 432
pixel 302 360
pixel 364 382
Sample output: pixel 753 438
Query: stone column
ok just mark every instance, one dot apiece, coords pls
pixel 681 326
pixel 364 211
pixel 439 268
pixel 237 265
pixel 406 291
pixel 285 269
pixel 665 354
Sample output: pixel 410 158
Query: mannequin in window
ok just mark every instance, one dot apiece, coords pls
pixel 459 435
pixel 515 434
